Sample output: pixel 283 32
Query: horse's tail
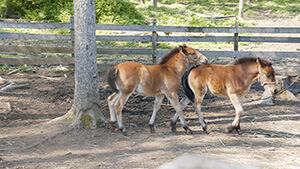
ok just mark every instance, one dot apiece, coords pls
pixel 186 87
pixel 112 76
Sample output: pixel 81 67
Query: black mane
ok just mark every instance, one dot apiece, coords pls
pixel 168 56
pixel 248 60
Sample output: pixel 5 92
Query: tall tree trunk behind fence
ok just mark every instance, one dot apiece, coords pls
pixel 241 8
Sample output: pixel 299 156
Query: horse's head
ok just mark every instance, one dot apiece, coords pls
pixel 193 56
pixel 266 75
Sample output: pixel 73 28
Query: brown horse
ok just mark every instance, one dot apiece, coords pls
pixel 233 80
pixel 158 80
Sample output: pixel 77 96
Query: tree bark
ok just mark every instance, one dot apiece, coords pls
pixel 86 110
pixel 7 9
pixel 154 3
pixel 241 8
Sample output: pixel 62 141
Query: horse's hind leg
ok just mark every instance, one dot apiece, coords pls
pixel 118 107
pixel 111 104
pixel 183 103
pixel 238 106
pixel 173 97
pixel 156 107
pixel 197 107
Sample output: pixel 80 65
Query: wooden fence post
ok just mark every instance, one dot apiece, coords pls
pixel 236 37
pixel 154 42
pixel 72 34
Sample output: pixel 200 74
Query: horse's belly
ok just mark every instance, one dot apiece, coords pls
pixel 142 90
pixel 218 91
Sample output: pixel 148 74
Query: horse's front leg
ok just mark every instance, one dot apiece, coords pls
pixel 183 103
pixel 156 107
pixel 238 106
pixel 173 97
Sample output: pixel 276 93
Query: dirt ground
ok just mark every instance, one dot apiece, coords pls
pixel 31 137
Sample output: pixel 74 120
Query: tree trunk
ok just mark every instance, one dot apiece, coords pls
pixel 7 9
pixel 241 8
pixel 142 2
pixel 86 107
pixel 154 3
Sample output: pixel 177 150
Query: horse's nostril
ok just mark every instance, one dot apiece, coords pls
pixel 275 91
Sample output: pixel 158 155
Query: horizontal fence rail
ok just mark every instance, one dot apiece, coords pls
pixel 36 25
pixel 153 37
pixel 34 36
pixel 145 28
pixel 197 29
pixel 34 49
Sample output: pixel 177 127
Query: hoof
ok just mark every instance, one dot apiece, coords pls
pixel 123 130
pixel 206 130
pixel 230 129
pixel 173 127
pixel 237 129
pixel 152 129
pixel 112 125
pixel 188 131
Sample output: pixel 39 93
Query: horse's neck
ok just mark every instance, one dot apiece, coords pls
pixel 252 71
pixel 177 64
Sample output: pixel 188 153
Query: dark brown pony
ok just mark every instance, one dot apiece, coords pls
pixel 233 80
pixel 158 80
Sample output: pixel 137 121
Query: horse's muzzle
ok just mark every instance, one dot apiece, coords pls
pixel 204 62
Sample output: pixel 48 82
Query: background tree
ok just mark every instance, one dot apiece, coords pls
pixel 154 3
pixel 241 8
pixel 86 108
pixel 7 4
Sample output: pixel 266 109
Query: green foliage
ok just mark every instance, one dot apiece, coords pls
pixel 5 68
pixel 23 68
pixel 130 12
pixel 188 13
pixel 118 12
pixel 38 9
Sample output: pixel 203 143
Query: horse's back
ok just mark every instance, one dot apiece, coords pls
pixel 128 75
pixel 221 79
pixel 213 76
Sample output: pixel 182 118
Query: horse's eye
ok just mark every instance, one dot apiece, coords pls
pixel 268 75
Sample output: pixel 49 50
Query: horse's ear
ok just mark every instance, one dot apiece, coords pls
pixel 260 63
pixel 181 48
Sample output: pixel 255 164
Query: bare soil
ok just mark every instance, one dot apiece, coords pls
pixel 32 137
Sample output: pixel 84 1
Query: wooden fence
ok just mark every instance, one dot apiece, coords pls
pixel 234 37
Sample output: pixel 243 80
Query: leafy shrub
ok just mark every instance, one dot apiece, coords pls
pixel 37 9
pixel 118 12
